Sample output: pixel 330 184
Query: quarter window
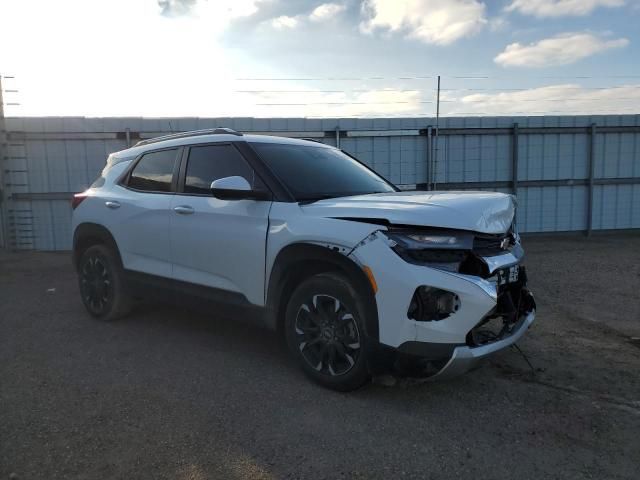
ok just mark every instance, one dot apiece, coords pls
pixel 211 162
pixel 154 172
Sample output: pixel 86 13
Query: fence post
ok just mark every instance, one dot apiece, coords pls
pixel 514 160
pixel 592 150
pixel 127 136
pixel 337 137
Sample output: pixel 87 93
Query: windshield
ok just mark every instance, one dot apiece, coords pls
pixel 314 172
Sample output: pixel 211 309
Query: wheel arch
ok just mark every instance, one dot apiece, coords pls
pixel 88 234
pixel 298 261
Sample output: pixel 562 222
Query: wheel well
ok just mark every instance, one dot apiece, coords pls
pixel 298 262
pixel 88 234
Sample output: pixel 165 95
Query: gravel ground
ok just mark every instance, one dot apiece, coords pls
pixel 172 394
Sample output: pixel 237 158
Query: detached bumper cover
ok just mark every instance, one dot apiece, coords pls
pixel 464 358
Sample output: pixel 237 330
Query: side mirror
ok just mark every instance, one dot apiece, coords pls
pixel 236 188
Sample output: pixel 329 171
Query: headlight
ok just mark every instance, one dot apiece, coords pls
pixel 436 240
pixel 444 250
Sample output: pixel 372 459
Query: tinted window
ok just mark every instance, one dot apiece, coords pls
pixel 313 172
pixel 154 172
pixel 211 162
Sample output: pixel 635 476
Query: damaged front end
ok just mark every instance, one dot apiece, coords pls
pixel 492 261
pixel 514 301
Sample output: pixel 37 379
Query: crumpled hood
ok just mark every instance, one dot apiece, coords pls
pixel 486 212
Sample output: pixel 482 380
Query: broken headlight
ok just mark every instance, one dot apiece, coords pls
pixel 440 249
pixel 437 240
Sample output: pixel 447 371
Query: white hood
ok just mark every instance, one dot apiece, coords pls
pixel 486 212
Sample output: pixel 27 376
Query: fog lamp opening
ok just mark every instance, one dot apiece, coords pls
pixel 432 304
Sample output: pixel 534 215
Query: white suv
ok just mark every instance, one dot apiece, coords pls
pixel 358 276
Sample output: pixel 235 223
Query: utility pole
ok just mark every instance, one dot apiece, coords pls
pixel 434 170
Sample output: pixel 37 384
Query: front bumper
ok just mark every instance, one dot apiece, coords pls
pixel 465 358
pixel 445 342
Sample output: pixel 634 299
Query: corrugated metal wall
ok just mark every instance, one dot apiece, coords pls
pixel 47 159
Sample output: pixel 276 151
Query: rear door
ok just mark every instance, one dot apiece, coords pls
pixel 137 212
pixel 218 243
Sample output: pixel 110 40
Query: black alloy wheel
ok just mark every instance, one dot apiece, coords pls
pixel 325 332
pixel 102 285
pixel 327 335
pixel 95 283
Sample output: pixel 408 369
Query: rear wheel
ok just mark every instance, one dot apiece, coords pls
pixel 101 281
pixel 325 333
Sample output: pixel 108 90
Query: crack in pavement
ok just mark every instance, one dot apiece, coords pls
pixel 632 406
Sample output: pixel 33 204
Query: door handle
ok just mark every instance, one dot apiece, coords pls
pixel 183 210
pixel 112 205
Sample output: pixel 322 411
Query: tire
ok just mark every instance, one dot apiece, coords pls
pixel 324 330
pixel 102 285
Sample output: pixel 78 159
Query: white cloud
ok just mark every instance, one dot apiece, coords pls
pixel 285 21
pixel 440 22
pixel 560 50
pixel 325 12
pixel 559 8
pixel 569 99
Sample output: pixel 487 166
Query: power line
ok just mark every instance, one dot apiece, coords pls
pixel 344 103
pixel 417 90
pixel 557 87
pixel 426 77
pixel 577 99
pixel 545 112
pixel 330 79
pixel 390 90
pixel 425 102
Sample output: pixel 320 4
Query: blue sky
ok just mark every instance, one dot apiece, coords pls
pixel 320 58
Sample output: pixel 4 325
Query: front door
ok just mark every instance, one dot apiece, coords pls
pixel 218 243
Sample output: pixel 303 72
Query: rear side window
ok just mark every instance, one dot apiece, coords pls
pixel 154 172
pixel 211 162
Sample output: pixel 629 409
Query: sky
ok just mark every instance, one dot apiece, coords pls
pixel 309 58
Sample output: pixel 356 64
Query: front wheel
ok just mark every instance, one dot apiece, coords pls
pixel 325 333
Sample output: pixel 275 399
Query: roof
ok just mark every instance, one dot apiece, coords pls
pixel 206 136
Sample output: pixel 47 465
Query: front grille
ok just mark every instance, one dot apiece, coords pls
pixel 473 265
pixel 427 256
pixel 488 245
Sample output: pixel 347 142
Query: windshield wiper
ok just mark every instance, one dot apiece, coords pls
pixel 325 196
pixel 321 196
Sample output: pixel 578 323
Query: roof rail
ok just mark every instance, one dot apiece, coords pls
pixel 193 133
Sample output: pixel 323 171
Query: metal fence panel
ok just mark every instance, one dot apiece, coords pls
pixel 616 206
pixel 45 160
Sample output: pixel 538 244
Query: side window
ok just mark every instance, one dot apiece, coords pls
pixel 211 162
pixel 154 172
